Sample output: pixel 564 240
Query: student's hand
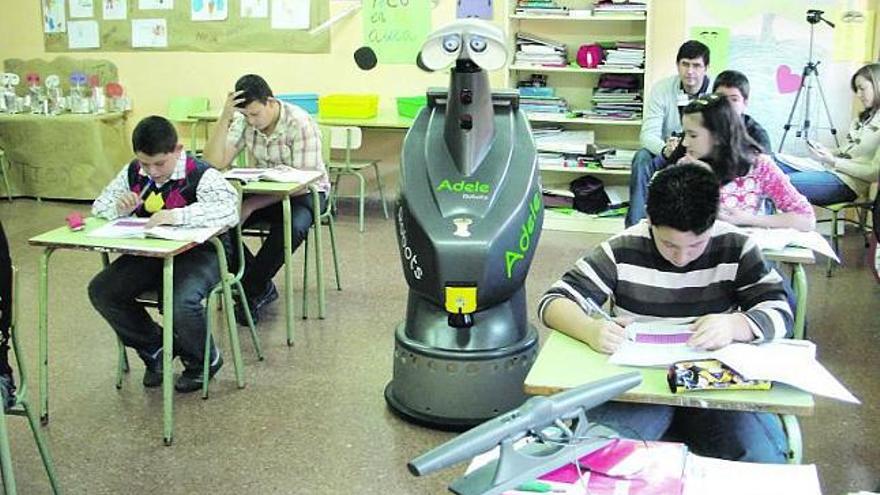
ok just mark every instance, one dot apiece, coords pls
pixel 822 154
pixel 232 99
pixel 127 203
pixel 161 217
pixel 735 216
pixel 717 330
pixel 671 144
pixel 610 335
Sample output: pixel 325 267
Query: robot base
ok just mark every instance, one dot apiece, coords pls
pixel 456 390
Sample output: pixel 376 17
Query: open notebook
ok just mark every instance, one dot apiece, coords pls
pixel 135 228
pixel 276 174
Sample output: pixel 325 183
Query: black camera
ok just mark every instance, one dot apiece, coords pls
pixel 814 16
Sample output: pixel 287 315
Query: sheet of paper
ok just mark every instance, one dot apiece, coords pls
pixel 243 174
pixel 254 8
pixel 128 227
pixel 149 33
pixel 115 10
pixel 82 8
pixel 156 4
pixel 802 163
pixel 83 34
pixel 209 10
pixel 778 239
pixel 54 20
pixel 719 477
pixel 135 228
pixel 289 174
pixel 291 14
pixel 653 355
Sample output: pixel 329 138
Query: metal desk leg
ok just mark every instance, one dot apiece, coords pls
pixel 168 348
pixel 799 285
pixel 43 309
pixel 288 269
pixel 319 251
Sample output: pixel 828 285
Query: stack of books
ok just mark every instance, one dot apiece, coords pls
pixel 619 159
pixel 558 147
pixel 533 50
pixel 612 8
pixel 540 7
pixel 616 104
pixel 624 55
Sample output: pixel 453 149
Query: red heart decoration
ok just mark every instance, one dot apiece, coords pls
pixel 786 82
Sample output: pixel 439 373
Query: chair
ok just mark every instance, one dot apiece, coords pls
pixel 862 208
pixel 4 173
pixel 348 138
pixel 179 110
pixel 326 216
pixel 790 425
pixel 22 408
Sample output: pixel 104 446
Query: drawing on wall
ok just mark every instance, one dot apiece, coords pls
pixel 82 8
pixel 209 10
pixel 149 33
pixel 54 20
pixel 254 8
pixel 769 43
pixel 156 4
pixel 115 10
pixel 291 14
pixel 83 34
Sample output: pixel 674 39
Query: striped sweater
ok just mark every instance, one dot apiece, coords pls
pixel 729 276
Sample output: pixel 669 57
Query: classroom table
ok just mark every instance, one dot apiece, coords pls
pixel 64 238
pixel 564 363
pixel 797 257
pixel 67 156
pixel 285 189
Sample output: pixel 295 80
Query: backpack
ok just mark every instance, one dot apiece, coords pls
pixel 589 56
pixel 589 194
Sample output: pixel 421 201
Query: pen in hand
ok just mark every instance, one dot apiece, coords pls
pixel 593 308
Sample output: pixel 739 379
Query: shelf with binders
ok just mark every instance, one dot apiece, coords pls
pixel 577 17
pixel 574 68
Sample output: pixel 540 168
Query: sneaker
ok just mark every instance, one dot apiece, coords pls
pixel 269 295
pixel 191 378
pixel 152 368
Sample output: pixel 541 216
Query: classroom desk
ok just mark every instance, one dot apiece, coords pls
pixel 67 156
pixel 797 257
pixel 286 189
pixel 64 238
pixel 565 363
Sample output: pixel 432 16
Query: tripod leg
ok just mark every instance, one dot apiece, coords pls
pixel 794 105
pixel 827 111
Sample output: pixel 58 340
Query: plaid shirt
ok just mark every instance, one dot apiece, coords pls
pixel 295 142
pixel 216 200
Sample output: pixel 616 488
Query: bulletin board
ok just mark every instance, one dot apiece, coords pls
pixel 234 34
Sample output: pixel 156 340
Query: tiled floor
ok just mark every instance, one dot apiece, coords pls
pixel 312 419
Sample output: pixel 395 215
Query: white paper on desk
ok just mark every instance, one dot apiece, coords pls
pixel 704 475
pixel 778 239
pixel 244 174
pixel 289 174
pixel 654 355
pixel 135 228
pixel 792 362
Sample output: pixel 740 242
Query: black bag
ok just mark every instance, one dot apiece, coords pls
pixel 589 194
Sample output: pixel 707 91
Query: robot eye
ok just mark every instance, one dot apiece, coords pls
pixel 477 43
pixel 451 43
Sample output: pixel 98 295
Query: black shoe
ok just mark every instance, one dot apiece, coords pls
pixel 152 368
pixel 269 295
pixel 191 378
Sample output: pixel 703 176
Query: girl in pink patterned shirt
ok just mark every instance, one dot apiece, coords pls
pixel 714 135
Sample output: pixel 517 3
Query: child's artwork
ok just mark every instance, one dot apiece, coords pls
pixel 254 8
pixel 156 4
pixel 54 20
pixel 82 8
pixel 209 10
pixel 83 34
pixel 291 14
pixel 149 33
pixel 115 10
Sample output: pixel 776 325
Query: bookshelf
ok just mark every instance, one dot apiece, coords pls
pixel 575 84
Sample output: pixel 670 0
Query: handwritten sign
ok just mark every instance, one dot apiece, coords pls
pixel 396 29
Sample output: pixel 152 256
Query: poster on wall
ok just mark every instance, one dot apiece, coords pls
pixel 115 10
pixel 291 14
pixel 254 8
pixel 396 30
pixel 82 8
pixel 149 33
pixel 83 34
pixel 156 4
pixel 209 10
pixel 770 43
pixel 479 9
pixel 54 20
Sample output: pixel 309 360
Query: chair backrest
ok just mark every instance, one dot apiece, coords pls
pixel 345 138
pixel 181 107
pixel 326 132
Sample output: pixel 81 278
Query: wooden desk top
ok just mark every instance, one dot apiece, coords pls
pixel 63 237
pixel 564 363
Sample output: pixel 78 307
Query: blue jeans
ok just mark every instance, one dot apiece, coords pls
pixel 114 289
pixel 820 188
pixel 260 269
pixel 731 435
pixel 644 165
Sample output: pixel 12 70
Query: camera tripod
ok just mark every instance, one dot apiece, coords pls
pixel 809 75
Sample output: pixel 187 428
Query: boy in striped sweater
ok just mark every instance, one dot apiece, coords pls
pixel 681 266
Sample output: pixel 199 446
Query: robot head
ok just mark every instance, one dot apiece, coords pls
pixel 467 39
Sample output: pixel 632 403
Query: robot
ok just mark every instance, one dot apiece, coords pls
pixel 468 222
